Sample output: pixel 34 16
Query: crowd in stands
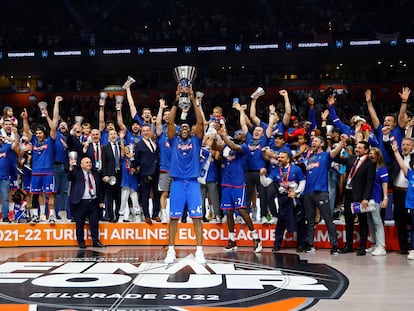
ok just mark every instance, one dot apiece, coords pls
pixel 77 23
pixel 298 130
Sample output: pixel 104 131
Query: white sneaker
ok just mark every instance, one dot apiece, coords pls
pixel 273 221
pixel 371 249
pixel 42 217
pixel 264 220
pixel 257 246
pixel 52 219
pixel 164 218
pixel 379 251
pixel 170 258
pixel 199 257
pixel 218 219
pixel 410 255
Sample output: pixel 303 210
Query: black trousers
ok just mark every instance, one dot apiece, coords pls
pixel 349 223
pixel 86 208
pixel 401 218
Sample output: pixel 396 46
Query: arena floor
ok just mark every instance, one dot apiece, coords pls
pixel 136 278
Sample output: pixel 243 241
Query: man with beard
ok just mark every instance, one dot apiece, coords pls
pixel 60 164
pixel 184 170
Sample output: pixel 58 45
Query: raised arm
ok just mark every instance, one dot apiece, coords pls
pixel 371 109
pixel 15 143
pixel 101 121
pixel 341 144
pixel 158 126
pixel 199 118
pixel 50 122
pixel 130 99
pixel 119 117
pixel 272 121
pixel 243 117
pixel 399 158
pixel 253 116
pixel 335 119
pixel 312 116
pixel 56 111
pixel 26 127
pixel 402 116
pixel 288 108
pixel 223 134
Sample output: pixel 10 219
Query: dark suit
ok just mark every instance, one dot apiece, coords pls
pixel 85 208
pixel 148 162
pixel 113 192
pixel 90 152
pixel 362 183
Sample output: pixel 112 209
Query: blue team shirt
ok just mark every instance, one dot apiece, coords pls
pixel 232 168
pixel 131 138
pixel 165 152
pixel 255 161
pixel 5 164
pixel 381 176
pixel 43 154
pixel 185 157
pixel 317 168
pixel 280 175
pixel 396 134
pixel 409 198
pixel 61 148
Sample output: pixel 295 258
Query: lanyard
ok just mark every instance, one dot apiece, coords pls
pixel 89 182
pixel 355 167
pixel 286 181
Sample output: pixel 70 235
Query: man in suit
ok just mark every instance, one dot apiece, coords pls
pixel 86 198
pixel 111 172
pixel 358 188
pixel 147 161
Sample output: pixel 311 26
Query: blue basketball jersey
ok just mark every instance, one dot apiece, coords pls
pixel 185 157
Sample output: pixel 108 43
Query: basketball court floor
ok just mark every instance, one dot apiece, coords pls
pixel 136 278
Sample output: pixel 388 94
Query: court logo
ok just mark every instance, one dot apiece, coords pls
pixel 133 281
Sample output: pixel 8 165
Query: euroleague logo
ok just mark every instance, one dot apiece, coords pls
pixel 139 280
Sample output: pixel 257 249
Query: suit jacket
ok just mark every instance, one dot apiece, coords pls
pixel 90 152
pixel 108 161
pixel 77 189
pixel 146 160
pixel 363 180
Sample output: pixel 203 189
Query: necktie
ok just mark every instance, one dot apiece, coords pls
pixel 97 152
pixel 151 146
pixel 354 166
pixel 116 157
pixel 91 192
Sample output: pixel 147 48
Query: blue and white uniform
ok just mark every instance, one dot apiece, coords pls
pixel 184 169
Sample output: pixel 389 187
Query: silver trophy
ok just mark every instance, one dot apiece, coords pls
pixel 103 95
pixel 199 97
pixel 129 81
pixel 79 119
pixel 42 105
pixel 259 92
pixel 73 157
pixel 119 99
pixel 184 75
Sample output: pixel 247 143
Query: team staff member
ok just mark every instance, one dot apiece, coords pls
pixel 184 169
pixel 86 196
pixel 358 188
pixel 290 183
